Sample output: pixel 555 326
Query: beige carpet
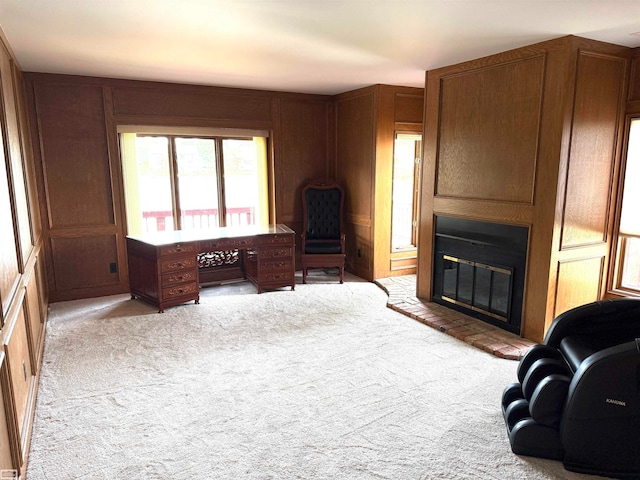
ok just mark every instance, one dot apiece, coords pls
pixel 324 382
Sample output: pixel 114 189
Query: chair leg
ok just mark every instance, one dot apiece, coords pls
pixel 341 274
pixel 304 274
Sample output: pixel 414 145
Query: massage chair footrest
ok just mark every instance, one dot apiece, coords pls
pixel 535 440
pixel 526 436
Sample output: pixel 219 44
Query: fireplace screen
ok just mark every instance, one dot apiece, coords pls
pixel 480 287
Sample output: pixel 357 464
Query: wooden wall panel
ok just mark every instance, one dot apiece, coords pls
pixel 6 458
pixel 489 130
pixel 75 158
pixel 9 272
pixel 385 114
pixel 360 249
pixel 15 164
pixel 163 101
pixel 43 292
pixel 579 282
pixel 598 96
pixel 302 154
pixel 408 108
pixel 355 164
pixel 27 158
pixel 355 153
pixel 16 345
pixel 634 78
pixel 35 320
pixel 83 262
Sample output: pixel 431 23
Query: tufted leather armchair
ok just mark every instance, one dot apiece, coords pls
pixel 323 240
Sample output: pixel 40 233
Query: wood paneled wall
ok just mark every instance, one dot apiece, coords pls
pixel 355 167
pixel 74 120
pixel 366 122
pixel 530 137
pixel 23 292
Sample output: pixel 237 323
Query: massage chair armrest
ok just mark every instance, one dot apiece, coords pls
pixel 607 384
pixel 601 419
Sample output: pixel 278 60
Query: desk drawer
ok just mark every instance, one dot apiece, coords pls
pixel 284 264
pixel 185 289
pixel 176 264
pixel 178 248
pixel 226 244
pixel 281 278
pixel 180 276
pixel 267 253
pixel 277 239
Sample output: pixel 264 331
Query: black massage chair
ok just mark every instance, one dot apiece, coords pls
pixel 577 399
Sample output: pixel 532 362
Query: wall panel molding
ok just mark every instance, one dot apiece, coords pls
pixel 489 125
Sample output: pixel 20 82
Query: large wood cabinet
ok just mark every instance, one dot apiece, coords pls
pixel 530 137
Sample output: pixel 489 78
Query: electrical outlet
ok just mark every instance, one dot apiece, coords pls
pixel 113 268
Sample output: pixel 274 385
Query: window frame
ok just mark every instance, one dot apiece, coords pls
pixel 218 136
pixel 417 171
pixel 619 240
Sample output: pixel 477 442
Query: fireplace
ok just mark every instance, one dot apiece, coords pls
pixel 479 269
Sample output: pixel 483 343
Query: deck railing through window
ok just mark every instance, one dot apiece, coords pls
pixel 195 219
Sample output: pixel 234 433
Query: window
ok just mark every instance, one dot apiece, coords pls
pixel 406 165
pixel 628 277
pixel 191 182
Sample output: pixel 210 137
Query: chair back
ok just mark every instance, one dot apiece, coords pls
pixel 323 202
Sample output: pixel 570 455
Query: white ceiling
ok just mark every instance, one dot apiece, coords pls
pixel 313 46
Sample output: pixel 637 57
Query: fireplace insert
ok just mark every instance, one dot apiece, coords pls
pixel 479 269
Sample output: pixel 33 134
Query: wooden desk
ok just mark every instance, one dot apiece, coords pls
pixel 163 266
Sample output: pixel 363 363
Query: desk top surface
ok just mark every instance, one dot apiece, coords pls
pixel 181 236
